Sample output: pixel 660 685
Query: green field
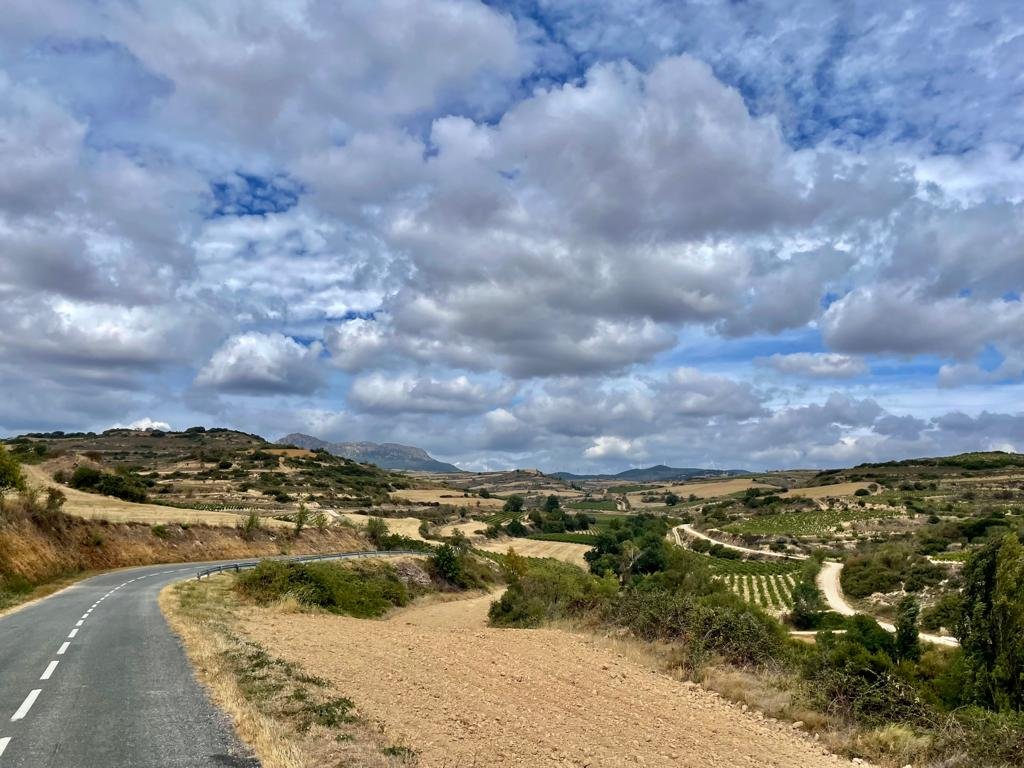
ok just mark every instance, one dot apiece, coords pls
pixel 607 505
pixel 500 518
pixel 808 523
pixel 773 593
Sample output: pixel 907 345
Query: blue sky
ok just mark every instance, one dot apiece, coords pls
pixel 570 235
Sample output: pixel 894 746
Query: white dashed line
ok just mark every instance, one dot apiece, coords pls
pixel 3 743
pixel 49 670
pixel 72 633
pixel 80 622
pixel 26 705
pixel 63 648
pixel 85 616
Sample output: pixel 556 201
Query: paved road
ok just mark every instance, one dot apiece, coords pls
pixel 93 677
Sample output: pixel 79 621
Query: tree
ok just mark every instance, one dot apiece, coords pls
pixel 484 493
pixel 552 504
pixel 992 623
pixel 671 499
pixel 908 645
pixel 447 563
pixel 807 604
pixel 11 478
pixel 376 531
pixel 514 503
pixel 301 518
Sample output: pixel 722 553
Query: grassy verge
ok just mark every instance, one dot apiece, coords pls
pixel 17 594
pixel 290 718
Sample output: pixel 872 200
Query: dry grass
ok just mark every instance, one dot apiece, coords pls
pixel 290 719
pixel 444 496
pixel 704 490
pixel 92 506
pixel 300 453
pixel 404 526
pixel 559 550
pixel 822 491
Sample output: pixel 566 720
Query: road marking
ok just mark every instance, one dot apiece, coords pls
pixel 63 648
pixel 80 622
pixel 26 705
pixel 85 616
pixel 49 670
pixel 3 743
pixel 72 633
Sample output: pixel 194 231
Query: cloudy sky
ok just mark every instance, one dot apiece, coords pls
pixel 569 235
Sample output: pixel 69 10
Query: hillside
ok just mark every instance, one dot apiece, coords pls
pixel 656 474
pixel 383 455
pixel 204 469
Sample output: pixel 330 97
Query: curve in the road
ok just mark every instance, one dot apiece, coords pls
pixel 93 676
pixel 828 581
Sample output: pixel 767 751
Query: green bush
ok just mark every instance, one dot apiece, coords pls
pixel 363 590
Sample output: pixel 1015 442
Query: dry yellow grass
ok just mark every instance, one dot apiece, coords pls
pixel 706 490
pixel 92 506
pixel 559 550
pixel 822 491
pixel 444 496
pixel 404 526
pixel 301 453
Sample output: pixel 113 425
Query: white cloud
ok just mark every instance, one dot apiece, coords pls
pixel 263 364
pixel 819 365
pixel 611 447
pixel 144 424
pixel 456 396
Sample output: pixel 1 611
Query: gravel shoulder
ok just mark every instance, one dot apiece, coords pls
pixel 463 694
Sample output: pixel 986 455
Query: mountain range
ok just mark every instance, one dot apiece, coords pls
pixel 384 455
pixel 657 473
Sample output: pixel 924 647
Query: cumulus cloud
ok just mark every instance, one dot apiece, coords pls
pixel 144 424
pixel 263 364
pixel 819 365
pixel 387 394
pixel 610 447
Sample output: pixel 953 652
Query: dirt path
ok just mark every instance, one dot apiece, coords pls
pixel 467 696
pixel 830 585
pixel 689 530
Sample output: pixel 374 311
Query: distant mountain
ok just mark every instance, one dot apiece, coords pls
pixel 659 473
pixel 384 455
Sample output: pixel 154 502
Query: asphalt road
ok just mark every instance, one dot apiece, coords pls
pixel 93 677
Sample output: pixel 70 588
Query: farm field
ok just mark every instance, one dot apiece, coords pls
pixel 565 551
pixel 823 491
pixel 706 490
pixel 808 523
pixel 771 592
pixel 444 496
pixel 604 505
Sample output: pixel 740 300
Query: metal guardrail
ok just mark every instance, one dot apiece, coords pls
pixel 238 566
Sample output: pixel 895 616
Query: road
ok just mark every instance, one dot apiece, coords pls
pixel 828 582
pixel 93 677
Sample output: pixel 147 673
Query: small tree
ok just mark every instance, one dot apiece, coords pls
pixel 514 503
pixel 376 531
pixel 301 518
pixel 320 521
pixel 11 478
pixel 459 541
pixel 908 645
pixel 552 504
pixel 807 604
pixel 671 499
pixel 447 564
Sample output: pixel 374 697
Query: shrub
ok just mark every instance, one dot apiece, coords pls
pixel 363 590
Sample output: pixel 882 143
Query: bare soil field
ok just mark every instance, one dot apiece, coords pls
pixel 706 490
pixel 514 697
pixel 96 507
pixel 404 526
pixel 444 496
pixel 821 491
pixel 559 550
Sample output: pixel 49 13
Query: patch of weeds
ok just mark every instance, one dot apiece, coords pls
pixel 398 751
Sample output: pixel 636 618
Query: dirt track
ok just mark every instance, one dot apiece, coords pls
pixel 464 695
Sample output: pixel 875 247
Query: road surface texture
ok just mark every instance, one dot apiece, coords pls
pixel 93 677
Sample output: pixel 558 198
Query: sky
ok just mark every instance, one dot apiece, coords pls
pixel 568 235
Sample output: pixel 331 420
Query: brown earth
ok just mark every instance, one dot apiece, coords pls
pixel 559 550
pixel 444 496
pixel 38 552
pixel 461 694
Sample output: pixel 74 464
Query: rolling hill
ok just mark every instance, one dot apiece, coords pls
pixel 384 455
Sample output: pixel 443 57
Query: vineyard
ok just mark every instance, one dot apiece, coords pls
pixel 773 593
pixel 809 523
pixel 500 518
